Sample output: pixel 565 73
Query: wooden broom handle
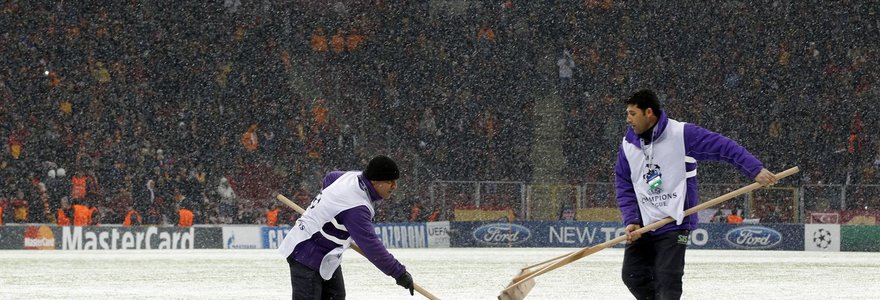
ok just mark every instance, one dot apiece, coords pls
pixel 571 257
pixel 354 246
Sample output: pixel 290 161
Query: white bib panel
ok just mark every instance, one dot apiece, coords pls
pixel 343 194
pixel 667 153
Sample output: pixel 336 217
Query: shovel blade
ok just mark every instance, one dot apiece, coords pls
pixel 518 292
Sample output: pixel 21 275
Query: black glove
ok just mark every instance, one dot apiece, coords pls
pixel 405 280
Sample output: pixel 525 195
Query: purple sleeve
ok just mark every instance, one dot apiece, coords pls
pixel 626 195
pixel 702 144
pixel 330 178
pixel 360 227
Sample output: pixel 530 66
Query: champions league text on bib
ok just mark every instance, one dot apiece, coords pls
pixel 658 175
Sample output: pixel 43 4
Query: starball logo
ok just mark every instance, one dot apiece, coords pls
pixel 823 238
pixel 501 234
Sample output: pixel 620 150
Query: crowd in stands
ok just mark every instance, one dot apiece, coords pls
pixel 210 107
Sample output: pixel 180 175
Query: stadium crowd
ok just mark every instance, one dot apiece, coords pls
pixel 210 107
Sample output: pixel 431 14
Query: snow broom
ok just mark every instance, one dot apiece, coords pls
pixel 357 249
pixel 523 283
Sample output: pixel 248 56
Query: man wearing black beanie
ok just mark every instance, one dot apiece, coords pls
pixel 341 214
pixel 381 168
pixel 383 173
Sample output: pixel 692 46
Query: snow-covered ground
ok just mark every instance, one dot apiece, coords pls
pixel 457 273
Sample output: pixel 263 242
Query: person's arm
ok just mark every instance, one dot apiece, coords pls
pixel 703 144
pixel 626 195
pixel 360 227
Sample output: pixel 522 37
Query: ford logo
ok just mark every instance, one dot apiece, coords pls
pixel 753 237
pixel 501 234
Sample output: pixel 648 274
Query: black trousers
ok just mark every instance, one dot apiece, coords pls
pixel 654 264
pixel 307 284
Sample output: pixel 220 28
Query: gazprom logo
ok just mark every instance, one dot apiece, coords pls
pixel 753 237
pixel 501 234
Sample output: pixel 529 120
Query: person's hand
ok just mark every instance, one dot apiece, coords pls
pixel 405 280
pixel 766 178
pixel 631 234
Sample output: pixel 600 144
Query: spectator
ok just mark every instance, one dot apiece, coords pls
pixel 415 212
pixel 153 217
pixel 53 190
pixel 184 217
pixel 62 95
pixel 435 214
pixel 144 193
pixel 354 41
pixel 272 215
pixel 63 185
pixel 566 213
pixel 63 213
pixel 734 217
pixel 78 186
pixel 94 192
pixel 249 139
pixel 774 215
pixel 566 70
pixel 718 217
pixel 20 210
pixel 319 40
pixel 82 215
pixel 95 215
pixel 42 211
pixel 228 201
pixel 337 42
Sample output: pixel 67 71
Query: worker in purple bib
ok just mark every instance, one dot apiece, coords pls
pixel 656 177
pixel 340 214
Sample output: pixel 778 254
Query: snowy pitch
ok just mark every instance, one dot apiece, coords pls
pixel 457 273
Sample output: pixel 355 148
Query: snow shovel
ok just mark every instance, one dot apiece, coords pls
pixel 522 289
pixel 522 284
pixel 357 249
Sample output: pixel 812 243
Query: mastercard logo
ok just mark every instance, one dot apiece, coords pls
pixel 39 238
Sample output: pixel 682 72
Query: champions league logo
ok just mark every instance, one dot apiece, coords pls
pixel 654 179
pixel 822 238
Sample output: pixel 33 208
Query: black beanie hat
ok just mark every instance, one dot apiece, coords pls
pixel 381 168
